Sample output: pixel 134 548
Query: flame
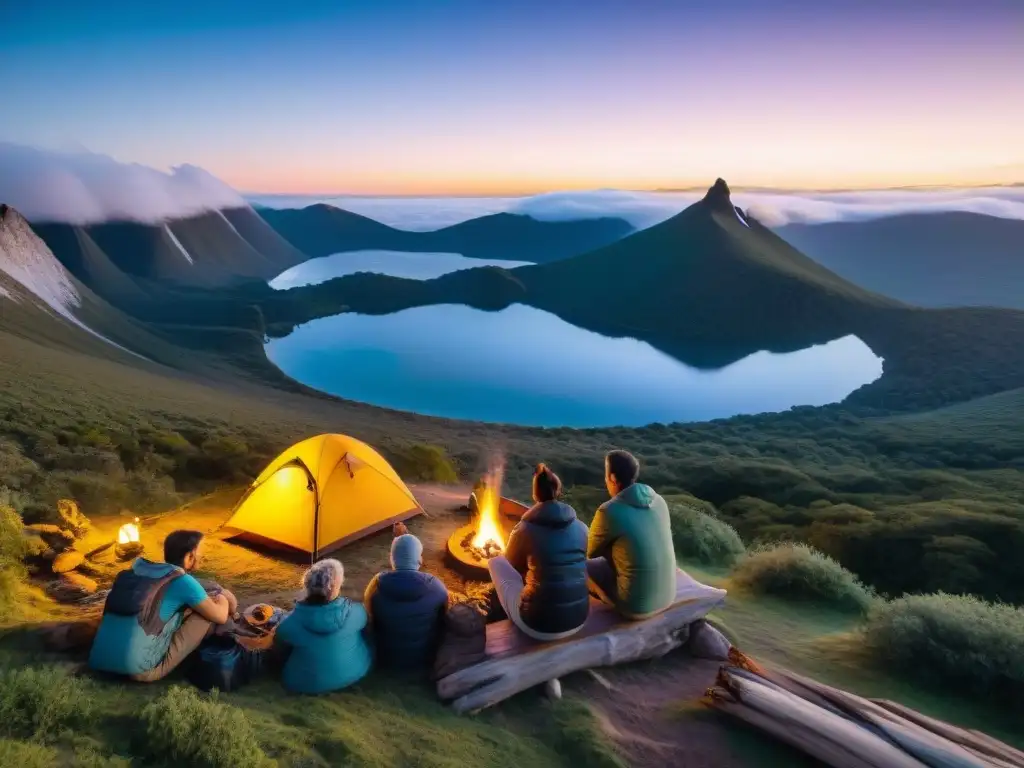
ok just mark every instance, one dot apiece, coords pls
pixel 488 529
pixel 128 533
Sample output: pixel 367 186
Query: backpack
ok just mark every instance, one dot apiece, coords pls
pixel 222 663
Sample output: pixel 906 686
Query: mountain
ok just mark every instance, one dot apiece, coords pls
pixel 212 250
pixel 930 259
pixel 709 286
pixel 42 302
pixel 321 230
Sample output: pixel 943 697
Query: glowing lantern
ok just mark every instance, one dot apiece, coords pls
pixel 128 533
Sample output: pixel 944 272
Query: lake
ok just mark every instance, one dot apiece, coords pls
pixel 418 266
pixel 525 366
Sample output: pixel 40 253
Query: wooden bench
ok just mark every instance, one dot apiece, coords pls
pixel 516 662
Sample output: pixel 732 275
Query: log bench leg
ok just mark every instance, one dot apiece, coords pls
pixel 553 689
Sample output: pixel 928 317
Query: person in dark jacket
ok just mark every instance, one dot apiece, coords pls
pixel 406 608
pixel 541 581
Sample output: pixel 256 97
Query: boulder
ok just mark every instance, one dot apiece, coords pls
pixel 67 561
pixel 56 537
pixel 97 570
pixel 71 587
pixel 706 642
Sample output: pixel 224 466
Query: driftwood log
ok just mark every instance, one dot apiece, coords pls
pixel 515 663
pixel 843 730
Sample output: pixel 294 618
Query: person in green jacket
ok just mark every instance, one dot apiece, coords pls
pixel 631 561
pixel 323 637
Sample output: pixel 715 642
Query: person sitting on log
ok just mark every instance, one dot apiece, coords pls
pixel 541 581
pixel 157 613
pixel 406 608
pixel 322 639
pixel 632 562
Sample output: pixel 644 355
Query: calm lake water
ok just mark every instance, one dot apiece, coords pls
pixel 419 266
pixel 463 363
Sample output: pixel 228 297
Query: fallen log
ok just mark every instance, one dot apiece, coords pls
pixel 829 723
pixel 515 663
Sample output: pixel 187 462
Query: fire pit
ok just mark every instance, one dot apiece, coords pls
pixel 473 544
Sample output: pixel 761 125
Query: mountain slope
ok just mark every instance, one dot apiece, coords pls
pixel 714 276
pixel 41 301
pixel 930 259
pixel 211 250
pixel 321 230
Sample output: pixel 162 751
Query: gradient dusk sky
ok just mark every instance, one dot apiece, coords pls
pixel 487 96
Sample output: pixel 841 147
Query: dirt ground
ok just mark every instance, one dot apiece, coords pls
pixel 257 574
pixel 650 709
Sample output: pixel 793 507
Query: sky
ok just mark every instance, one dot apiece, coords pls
pixel 422 97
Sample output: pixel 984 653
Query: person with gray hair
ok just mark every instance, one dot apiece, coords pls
pixel 323 637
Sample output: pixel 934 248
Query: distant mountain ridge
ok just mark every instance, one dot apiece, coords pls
pixel 709 286
pixel 322 230
pixel 942 259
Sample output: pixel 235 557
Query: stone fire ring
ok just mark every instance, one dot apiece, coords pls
pixel 461 556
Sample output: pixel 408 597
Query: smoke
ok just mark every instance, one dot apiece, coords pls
pixel 84 187
pixel 644 209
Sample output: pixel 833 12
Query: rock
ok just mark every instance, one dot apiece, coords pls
pixel 96 571
pixel 72 517
pixel 553 689
pixel 128 551
pixel 67 561
pixel 71 587
pixel 55 536
pixel 706 642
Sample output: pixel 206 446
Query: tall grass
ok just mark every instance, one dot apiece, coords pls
pixel 701 537
pixel 957 641
pixel 798 572
pixel 41 702
pixel 184 727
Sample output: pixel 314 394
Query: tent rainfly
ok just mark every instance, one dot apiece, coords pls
pixel 321 494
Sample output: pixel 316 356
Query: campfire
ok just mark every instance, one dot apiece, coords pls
pixel 484 537
pixel 128 545
pixel 128 533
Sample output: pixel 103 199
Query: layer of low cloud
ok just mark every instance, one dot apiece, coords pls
pixel 84 187
pixel 643 209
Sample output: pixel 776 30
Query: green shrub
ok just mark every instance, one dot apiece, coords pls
pixel 40 702
pixel 13 499
pixel 25 754
pixel 960 641
pixel 183 727
pixel 703 538
pixel 426 463
pixel 798 572
pixel 13 548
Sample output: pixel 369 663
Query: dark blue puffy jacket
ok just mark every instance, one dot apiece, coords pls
pixel 549 547
pixel 407 609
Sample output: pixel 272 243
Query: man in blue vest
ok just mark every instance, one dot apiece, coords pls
pixel 157 613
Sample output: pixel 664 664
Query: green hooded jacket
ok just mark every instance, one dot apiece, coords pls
pixel 634 533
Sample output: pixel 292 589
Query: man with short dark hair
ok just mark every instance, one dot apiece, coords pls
pixel 157 613
pixel 632 561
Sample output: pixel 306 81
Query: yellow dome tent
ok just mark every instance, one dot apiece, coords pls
pixel 321 494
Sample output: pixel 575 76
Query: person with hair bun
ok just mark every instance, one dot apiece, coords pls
pixel 541 581
pixel 323 636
